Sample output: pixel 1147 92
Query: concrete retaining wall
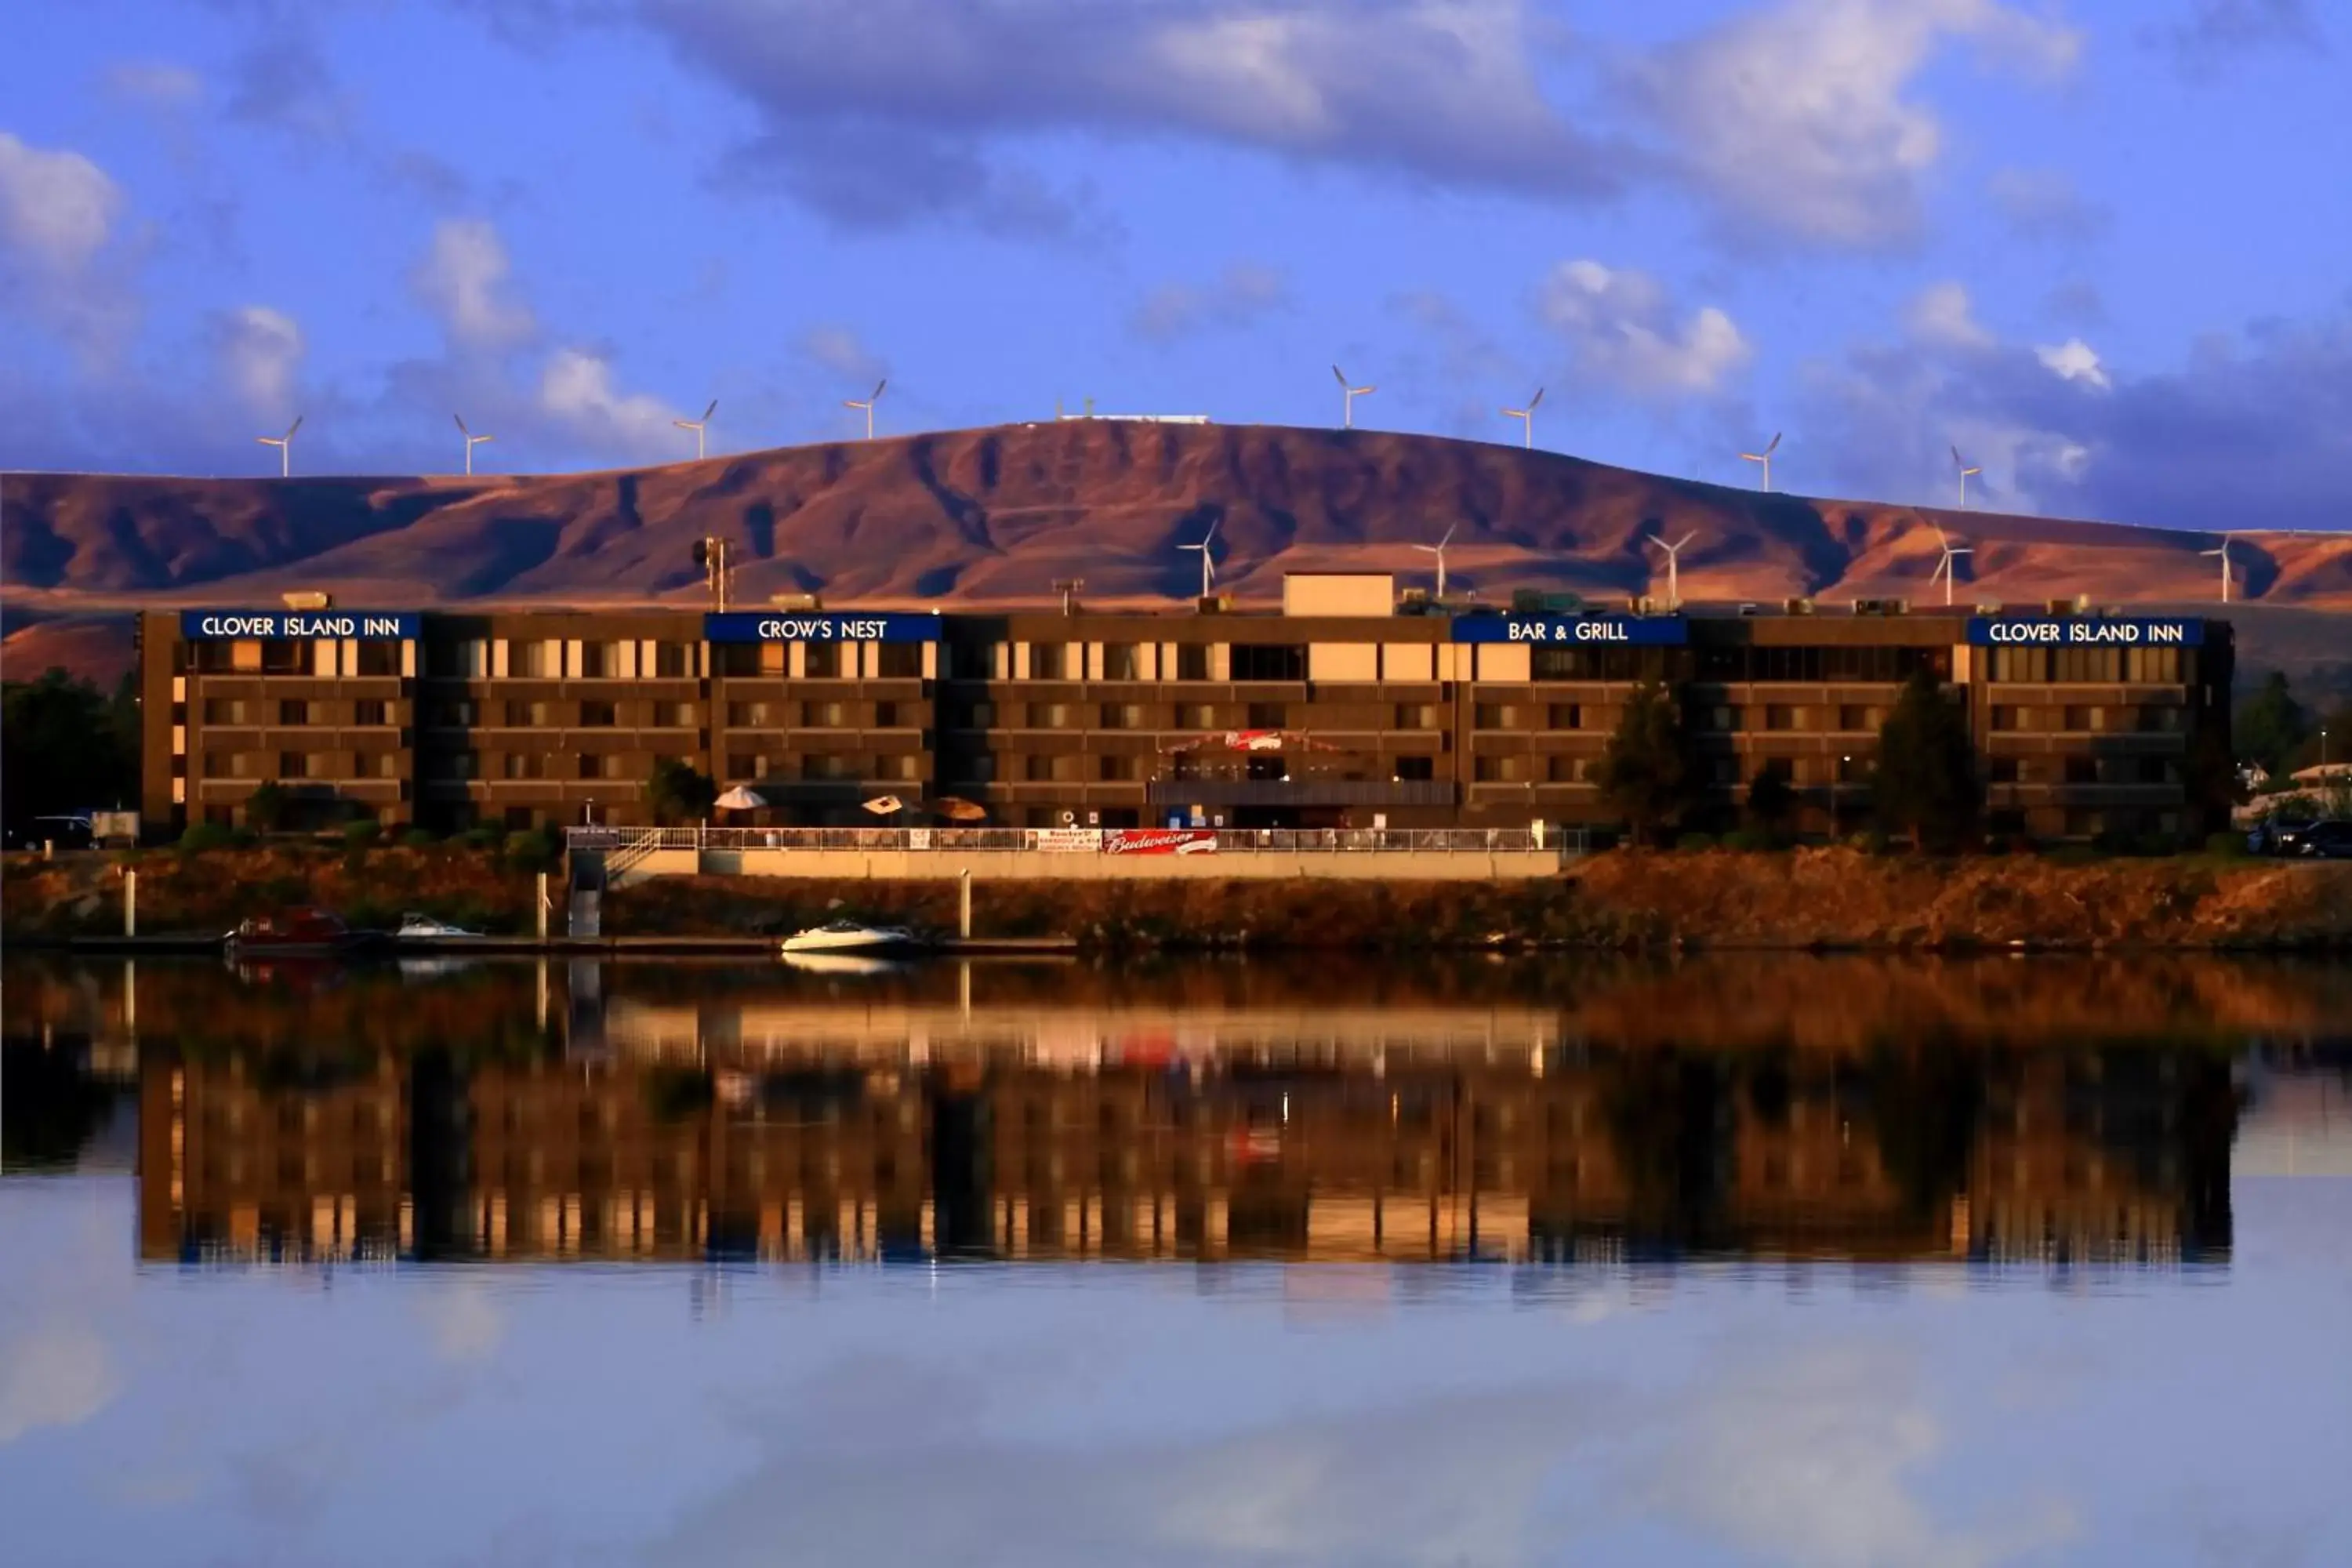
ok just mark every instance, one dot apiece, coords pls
pixel 1038 865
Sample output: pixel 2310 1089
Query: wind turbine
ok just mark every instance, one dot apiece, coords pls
pixel 1208 567
pixel 285 445
pixel 1348 398
pixel 1962 463
pixel 874 397
pixel 695 426
pixel 1948 566
pixel 2224 554
pixel 1674 567
pixel 473 440
pixel 1438 549
pixel 1765 458
pixel 1526 417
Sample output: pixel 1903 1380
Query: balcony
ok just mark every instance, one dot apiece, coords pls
pixel 1301 792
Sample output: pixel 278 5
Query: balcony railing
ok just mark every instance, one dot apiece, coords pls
pixel 1301 792
pixel 631 844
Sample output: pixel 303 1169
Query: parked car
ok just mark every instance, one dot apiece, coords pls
pixel 65 832
pixel 2291 839
pixel 2325 841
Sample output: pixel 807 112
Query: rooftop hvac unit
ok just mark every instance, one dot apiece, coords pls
pixel 805 602
pixel 1798 606
pixel 311 599
pixel 1748 609
pixel 1213 604
pixel 2061 607
pixel 1645 605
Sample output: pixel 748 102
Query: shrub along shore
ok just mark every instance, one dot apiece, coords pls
pixel 1830 897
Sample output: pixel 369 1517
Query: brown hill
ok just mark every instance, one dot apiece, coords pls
pixel 996 515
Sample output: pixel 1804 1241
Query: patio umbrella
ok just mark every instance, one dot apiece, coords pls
pixel 955 808
pixel 883 805
pixel 740 799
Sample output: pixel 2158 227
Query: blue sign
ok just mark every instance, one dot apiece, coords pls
pixel 2083 631
pixel 366 625
pixel 779 626
pixel 1569 631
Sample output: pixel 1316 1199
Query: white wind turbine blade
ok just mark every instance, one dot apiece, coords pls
pixel 461 426
pixel 709 411
pixel 1535 399
pixel 1772 445
pixel 1340 376
pixel 878 389
pixel 1449 536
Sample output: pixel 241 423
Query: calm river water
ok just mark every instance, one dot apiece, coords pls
pixel 1756 1260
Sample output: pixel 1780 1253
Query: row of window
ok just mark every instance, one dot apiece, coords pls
pixel 276 658
pixel 293 712
pixel 300 765
pixel 2148 665
pixel 2080 719
pixel 475 658
pixel 819 660
pixel 823 766
pixel 2083 770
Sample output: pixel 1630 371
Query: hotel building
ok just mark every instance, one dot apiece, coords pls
pixel 1348 708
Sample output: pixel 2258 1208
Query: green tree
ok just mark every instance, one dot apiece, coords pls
pixel 1771 800
pixel 1646 772
pixel 2271 726
pixel 1926 785
pixel 678 793
pixel 64 747
pixel 266 806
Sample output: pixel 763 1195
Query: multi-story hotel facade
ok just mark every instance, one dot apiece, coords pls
pixel 1347 708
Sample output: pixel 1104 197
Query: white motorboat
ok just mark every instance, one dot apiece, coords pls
pixel 427 925
pixel 848 936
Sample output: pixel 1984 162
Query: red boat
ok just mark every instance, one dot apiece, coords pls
pixel 302 932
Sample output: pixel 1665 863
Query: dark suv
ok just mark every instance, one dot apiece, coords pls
pixel 2322 840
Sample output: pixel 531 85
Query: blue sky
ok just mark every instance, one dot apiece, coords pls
pixel 2104 247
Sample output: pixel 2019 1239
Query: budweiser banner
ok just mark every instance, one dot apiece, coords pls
pixel 1159 841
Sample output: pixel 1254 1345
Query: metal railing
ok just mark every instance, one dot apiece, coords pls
pixel 625 847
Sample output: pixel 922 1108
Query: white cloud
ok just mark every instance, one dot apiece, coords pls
pixel 56 208
pixel 1799 119
pixel 463 279
pixel 1617 323
pixel 1245 292
pixel 1942 314
pixel 841 351
pixel 156 84
pixel 576 389
pixel 2074 360
pixel 260 351
pixel 59 1376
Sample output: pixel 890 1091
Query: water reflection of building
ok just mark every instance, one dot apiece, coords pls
pixel 898 1133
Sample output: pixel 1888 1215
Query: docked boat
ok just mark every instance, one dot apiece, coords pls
pixel 861 965
pixel 416 925
pixel 848 936
pixel 301 933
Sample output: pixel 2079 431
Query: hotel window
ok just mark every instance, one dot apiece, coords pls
pixel 1049 715
pixel 828 766
pixel 2004 715
pixel 979 770
pixel 1500 770
pixel 2152 666
pixel 898 660
pixel 379 658
pixel 2079 719
pixel 1269 661
pixel 1569 770
pixel 599 715
pixel 2160 721
pixel 1781 716
pixel 2159 771
pixel 1415 716
pixel 823 715
pixel 455 765
pixel 1122 716
pixel 530 715
pixel 674 716
pixel 1566 716
pixel 1196 716
pixel 526 764
pixel 600 661
pixel 1122 662
pixel 901 765
pixel 1116 769
pixel 387 764
pixel 455 715
pixel 2002 769
pixel 371 713
pixel 747 715
pixel 979 715
pixel 2082 770
pixel 823 660
pixel 1723 718
pixel 1268 715
pixel 1495 716
pixel 286 658
pixel 534 660
pixel 224 710
pixel 1412 769
pixel 742 765
pixel 291 712
pixel 1047 661
pixel 673 661
pixel 1037 769
pixel 1192 661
